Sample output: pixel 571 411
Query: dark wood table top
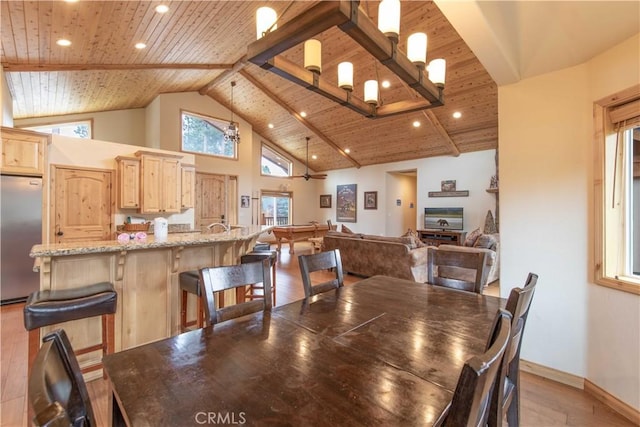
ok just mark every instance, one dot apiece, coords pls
pixel 383 351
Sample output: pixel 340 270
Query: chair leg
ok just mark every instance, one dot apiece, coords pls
pixel 273 284
pixel 108 337
pixel 200 309
pixel 513 411
pixel 183 311
pixel 34 346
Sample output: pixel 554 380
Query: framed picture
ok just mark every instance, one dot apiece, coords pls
pixel 325 200
pixel 448 185
pixel 244 201
pixel 346 206
pixel 371 200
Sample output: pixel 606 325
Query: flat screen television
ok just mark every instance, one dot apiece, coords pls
pixel 443 218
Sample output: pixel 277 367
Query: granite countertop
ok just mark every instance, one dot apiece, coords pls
pixel 243 232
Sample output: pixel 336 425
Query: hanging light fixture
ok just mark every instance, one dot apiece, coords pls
pixel 232 132
pixel 351 19
pixel 265 21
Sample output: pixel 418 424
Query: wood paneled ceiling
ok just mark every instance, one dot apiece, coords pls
pixel 199 46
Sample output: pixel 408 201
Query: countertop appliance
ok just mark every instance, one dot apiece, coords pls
pixel 20 229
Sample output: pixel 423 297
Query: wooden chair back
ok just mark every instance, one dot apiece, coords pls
pixel 57 392
pixel 214 280
pixel 471 261
pixel 506 399
pixel 471 401
pixel 321 261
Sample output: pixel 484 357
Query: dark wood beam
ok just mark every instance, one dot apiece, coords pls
pixel 16 67
pixel 297 116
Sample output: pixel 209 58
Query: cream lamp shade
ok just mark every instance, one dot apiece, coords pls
pixel 371 92
pixel 313 55
pixel 389 18
pixel 437 70
pixel 345 75
pixel 417 49
pixel 265 18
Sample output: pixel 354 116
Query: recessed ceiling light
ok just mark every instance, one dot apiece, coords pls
pixel 162 8
pixel 270 125
pixel 303 114
pixel 314 157
pixel 416 124
pixel 63 42
pixel 140 45
pixel 386 84
pixel 346 150
pixel 71 1
pixel 457 114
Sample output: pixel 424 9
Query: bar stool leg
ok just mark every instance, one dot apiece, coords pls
pixel 34 346
pixel 183 311
pixel 108 337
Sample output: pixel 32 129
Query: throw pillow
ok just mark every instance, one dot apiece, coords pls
pixel 486 241
pixel 346 229
pixel 415 238
pixel 472 237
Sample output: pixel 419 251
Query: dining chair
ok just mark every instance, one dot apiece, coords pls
pixel 57 392
pixel 329 260
pixel 471 400
pixel 506 397
pixel 457 269
pixel 217 279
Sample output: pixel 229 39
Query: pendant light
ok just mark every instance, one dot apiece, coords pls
pixel 232 132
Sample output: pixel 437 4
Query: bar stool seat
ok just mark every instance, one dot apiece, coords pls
pixel 190 284
pixel 260 246
pixel 255 256
pixel 50 307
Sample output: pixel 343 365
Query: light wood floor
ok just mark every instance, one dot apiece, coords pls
pixel 544 403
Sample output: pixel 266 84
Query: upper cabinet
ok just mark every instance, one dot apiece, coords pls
pixel 128 182
pixel 188 186
pixel 161 182
pixel 23 152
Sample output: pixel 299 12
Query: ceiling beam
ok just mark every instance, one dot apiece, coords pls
pixel 298 117
pixel 22 67
pixel 239 65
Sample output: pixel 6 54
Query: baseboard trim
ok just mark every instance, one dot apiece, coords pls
pixel 613 402
pixel 552 374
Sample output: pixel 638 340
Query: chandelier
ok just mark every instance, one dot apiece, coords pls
pixel 232 132
pixel 381 42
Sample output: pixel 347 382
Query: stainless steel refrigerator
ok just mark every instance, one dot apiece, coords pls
pixel 20 229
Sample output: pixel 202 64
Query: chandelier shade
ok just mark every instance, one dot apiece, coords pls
pixel 354 22
pixel 371 92
pixel 265 21
pixel 417 49
pixel 389 18
pixel 436 70
pixel 313 55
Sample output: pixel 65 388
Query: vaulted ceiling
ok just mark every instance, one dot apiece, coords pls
pixel 200 46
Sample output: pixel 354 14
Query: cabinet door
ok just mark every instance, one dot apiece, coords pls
pixel 128 183
pixel 188 186
pixel 22 152
pixel 171 186
pixel 151 176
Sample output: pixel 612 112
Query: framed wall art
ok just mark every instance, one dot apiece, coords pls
pixel 346 202
pixel 325 200
pixel 371 200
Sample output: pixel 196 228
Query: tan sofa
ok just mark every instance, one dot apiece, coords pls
pixel 369 255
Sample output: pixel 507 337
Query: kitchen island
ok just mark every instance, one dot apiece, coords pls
pixel 145 275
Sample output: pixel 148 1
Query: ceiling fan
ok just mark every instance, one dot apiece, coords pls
pixel 306 175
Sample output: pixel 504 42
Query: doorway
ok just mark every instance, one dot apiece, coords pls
pixel 401 202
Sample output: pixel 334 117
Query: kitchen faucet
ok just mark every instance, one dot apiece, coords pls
pixel 224 226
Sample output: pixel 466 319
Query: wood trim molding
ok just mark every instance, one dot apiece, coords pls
pixel 552 374
pixel 31 68
pixel 613 402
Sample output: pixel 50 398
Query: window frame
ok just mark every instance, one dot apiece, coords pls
pixel 263 145
pixel 36 127
pixel 206 117
pixel 603 235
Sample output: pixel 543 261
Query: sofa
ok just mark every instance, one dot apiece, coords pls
pixel 370 255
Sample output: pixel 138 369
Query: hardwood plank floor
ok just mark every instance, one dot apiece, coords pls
pixel 544 402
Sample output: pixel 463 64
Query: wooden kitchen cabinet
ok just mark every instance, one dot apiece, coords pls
pixel 23 152
pixel 128 182
pixel 188 185
pixel 160 183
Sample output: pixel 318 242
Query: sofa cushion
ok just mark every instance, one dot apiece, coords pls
pixel 408 241
pixel 340 234
pixel 346 229
pixel 472 237
pixel 486 241
pixel 415 238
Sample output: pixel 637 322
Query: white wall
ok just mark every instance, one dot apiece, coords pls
pixel 6 101
pixel 546 177
pixel 121 126
pixel 472 171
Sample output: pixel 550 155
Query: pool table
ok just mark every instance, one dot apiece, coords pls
pixel 295 233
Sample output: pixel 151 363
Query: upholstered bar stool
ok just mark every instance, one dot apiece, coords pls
pixel 259 247
pixel 255 256
pixel 190 284
pixel 45 308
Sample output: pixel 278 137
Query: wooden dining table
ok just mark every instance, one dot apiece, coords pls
pixel 383 351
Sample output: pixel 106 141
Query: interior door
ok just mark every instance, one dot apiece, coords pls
pixel 210 198
pixel 82 205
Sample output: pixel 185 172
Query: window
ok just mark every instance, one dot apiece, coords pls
pixel 617 192
pixel 274 164
pixel 205 135
pixel 276 208
pixel 79 129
